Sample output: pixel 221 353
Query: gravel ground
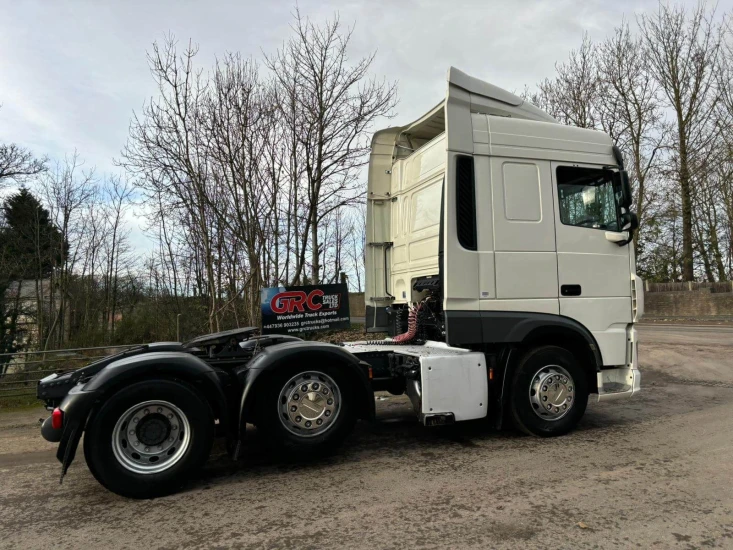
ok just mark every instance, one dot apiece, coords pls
pixel 651 472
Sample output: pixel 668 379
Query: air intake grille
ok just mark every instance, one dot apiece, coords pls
pixel 465 203
pixel 634 300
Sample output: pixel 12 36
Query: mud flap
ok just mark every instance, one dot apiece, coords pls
pixel 69 452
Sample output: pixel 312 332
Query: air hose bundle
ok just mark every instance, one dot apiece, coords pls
pixel 411 326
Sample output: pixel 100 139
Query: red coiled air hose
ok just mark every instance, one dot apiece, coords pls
pixel 411 327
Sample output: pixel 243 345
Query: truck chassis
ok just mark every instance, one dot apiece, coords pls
pixel 151 413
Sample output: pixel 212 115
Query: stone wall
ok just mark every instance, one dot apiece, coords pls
pixel 357 308
pixel 700 303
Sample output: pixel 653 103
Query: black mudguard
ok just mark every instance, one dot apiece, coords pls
pixel 290 353
pixel 81 400
pixel 76 407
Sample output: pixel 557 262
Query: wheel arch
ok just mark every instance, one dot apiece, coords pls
pixel 585 352
pixel 280 356
pixel 557 331
pixel 80 406
pixel 175 366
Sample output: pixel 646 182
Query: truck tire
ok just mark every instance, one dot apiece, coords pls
pixel 306 412
pixel 148 438
pixel 549 392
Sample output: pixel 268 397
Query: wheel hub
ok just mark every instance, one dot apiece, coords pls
pixel 153 429
pixel 552 392
pixel 309 403
pixel 312 405
pixel 151 437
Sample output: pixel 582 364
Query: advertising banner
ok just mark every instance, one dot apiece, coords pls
pixel 295 309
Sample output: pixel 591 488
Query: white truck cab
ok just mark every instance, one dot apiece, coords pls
pixel 492 228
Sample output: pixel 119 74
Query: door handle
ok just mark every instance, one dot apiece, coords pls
pixel 570 290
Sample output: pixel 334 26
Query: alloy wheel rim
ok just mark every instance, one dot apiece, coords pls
pixel 151 437
pixel 309 404
pixel 552 392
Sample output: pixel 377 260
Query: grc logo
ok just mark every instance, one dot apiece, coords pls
pixel 295 300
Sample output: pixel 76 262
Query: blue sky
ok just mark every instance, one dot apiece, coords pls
pixel 72 72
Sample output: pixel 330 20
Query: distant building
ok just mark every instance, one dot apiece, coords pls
pixel 23 297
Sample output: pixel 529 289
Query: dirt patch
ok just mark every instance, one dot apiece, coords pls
pixel 650 472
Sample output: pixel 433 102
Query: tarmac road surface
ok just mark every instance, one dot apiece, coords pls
pixel 651 472
pixel 681 334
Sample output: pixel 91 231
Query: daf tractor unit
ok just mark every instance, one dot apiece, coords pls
pixel 500 262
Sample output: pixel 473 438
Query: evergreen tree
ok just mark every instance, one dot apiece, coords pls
pixel 31 244
pixel 31 247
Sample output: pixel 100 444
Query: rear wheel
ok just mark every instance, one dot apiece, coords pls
pixel 549 392
pixel 306 411
pixel 148 438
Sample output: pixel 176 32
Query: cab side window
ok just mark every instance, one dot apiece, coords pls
pixel 587 198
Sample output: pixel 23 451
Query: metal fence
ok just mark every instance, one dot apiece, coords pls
pixel 723 286
pixel 21 371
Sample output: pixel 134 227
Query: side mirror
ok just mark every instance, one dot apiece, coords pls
pixel 621 182
pixel 629 222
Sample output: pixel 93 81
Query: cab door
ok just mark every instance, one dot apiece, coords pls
pixel 594 274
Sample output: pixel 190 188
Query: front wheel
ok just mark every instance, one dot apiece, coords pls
pixel 306 411
pixel 549 392
pixel 148 438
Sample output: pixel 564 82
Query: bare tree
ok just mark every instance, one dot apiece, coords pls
pixel 66 190
pixel 572 96
pixel 18 164
pixel 336 103
pixel 683 53
pixel 166 150
pixel 629 102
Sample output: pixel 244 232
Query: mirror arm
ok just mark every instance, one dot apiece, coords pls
pixel 621 238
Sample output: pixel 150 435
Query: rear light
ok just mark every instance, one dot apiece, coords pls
pixel 57 419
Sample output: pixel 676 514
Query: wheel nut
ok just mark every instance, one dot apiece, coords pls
pixel 132 432
pixel 570 388
pixel 147 449
pixel 557 410
pixel 170 440
pixel 134 443
pixel 325 390
pixel 330 401
pixel 327 413
pixel 175 427
pixel 544 388
pixel 160 410
pixel 298 419
pixel 146 411
pixel 564 380
pixel 544 398
pixel 564 407
pixel 135 420
pixel 319 421
pixel 308 424
pixel 170 415
pixel 315 386
pixel 293 408
pixel 295 397
pixel 304 388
